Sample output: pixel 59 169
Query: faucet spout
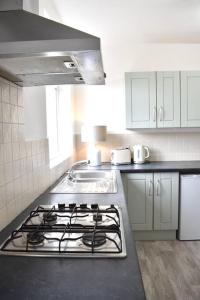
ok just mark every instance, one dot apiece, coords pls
pixel 74 165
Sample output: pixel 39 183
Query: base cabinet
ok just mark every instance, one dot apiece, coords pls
pixel 140 200
pixel 166 188
pixel 152 200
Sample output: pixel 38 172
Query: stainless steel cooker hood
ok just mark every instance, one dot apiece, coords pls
pixel 37 51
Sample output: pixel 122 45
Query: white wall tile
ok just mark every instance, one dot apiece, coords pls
pixel 3 217
pixel 1 133
pixel 6 112
pixel 22 149
pixel 21 132
pixel 12 114
pixel 9 192
pixel 11 210
pixel 29 163
pixel 5 92
pixel 16 151
pixel 21 115
pixel 28 149
pixel 13 95
pixel 2 196
pixel 1 113
pixel 8 172
pixel 20 98
pixel 1 154
pixel 16 168
pixel 2 175
pixel 17 183
pixel 16 115
pixel 7 133
pixel 7 152
pixel 15 133
pixel 23 166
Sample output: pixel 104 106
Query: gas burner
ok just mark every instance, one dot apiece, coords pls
pixel 49 218
pixel 69 230
pixel 94 206
pixel 97 218
pixel 83 206
pixel 35 238
pixel 99 239
pixel 61 206
pixel 72 206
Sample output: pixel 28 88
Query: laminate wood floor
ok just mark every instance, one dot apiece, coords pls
pixel 170 269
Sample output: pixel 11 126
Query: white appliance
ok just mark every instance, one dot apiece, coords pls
pixel 189 224
pixel 140 154
pixel 121 156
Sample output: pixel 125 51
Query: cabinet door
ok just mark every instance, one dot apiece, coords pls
pixel 140 200
pixel 168 99
pixel 190 99
pixel 166 187
pixel 140 100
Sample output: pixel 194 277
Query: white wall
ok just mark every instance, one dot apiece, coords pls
pixel 48 10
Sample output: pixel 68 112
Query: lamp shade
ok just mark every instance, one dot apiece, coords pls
pixel 91 134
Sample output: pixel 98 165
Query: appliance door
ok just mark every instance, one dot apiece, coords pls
pixel 189 226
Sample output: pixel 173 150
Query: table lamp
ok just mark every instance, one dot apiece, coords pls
pixel 92 135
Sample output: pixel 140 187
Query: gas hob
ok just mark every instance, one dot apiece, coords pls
pixel 69 230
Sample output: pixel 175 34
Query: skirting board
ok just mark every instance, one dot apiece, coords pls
pixel 158 235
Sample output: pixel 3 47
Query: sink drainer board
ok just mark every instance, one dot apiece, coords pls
pixel 85 181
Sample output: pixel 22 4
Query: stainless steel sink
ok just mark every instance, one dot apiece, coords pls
pixel 91 175
pixel 86 181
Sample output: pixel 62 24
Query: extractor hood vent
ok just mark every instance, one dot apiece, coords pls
pixel 37 51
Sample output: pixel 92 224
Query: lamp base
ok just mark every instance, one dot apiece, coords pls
pixel 95 158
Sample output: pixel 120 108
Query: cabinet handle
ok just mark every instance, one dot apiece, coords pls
pixel 150 187
pixel 154 113
pixel 158 188
pixel 161 113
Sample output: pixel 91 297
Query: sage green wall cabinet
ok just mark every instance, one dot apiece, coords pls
pixel 190 99
pixel 141 100
pixel 168 99
pixel 152 99
pixel 139 188
pixel 166 187
pixel 152 200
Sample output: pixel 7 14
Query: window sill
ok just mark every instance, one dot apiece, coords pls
pixel 57 160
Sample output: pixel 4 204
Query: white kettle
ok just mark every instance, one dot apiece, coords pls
pixel 140 154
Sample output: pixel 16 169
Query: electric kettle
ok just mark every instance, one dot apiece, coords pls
pixel 140 154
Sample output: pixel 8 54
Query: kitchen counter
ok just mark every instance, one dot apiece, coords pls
pixel 73 278
pixel 160 166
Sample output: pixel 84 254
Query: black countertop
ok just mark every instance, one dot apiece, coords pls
pixel 159 166
pixel 72 278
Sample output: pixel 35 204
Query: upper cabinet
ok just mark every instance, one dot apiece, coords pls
pixel 163 99
pixel 190 99
pixel 168 99
pixel 141 100
pixel 152 100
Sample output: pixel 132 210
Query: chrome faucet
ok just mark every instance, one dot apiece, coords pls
pixel 74 165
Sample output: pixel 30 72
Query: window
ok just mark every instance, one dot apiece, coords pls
pixel 59 123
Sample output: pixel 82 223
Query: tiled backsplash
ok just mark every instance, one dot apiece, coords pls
pixel 24 165
pixel 163 145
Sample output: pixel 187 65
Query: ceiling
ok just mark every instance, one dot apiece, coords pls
pixel 152 21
